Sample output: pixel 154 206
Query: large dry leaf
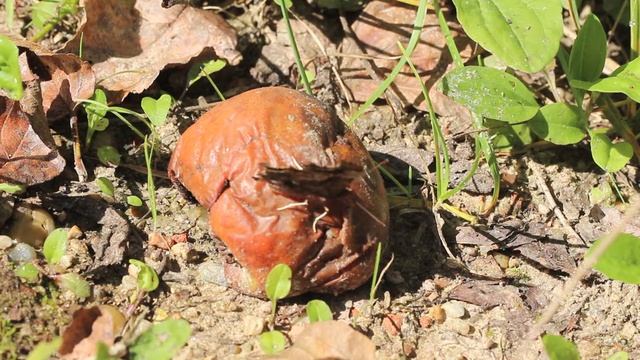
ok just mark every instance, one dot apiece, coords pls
pixel 130 42
pixel 65 79
pixel 378 29
pixel 90 326
pixel 27 153
pixel 329 340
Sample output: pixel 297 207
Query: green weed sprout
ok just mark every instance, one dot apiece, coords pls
pixel 285 5
pixel 46 14
pixel 10 78
pixel 277 286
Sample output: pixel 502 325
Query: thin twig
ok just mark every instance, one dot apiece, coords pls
pixel 557 211
pixel 585 267
pixel 81 170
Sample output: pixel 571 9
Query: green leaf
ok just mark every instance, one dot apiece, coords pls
pixel 200 70
pixel 10 78
pixel 43 12
pixel 559 123
pixel 318 310
pixel 287 3
pixel 162 341
pixel 157 110
pixel 524 34
pixel 28 272
pixel 12 188
pixel 44 350
pixel 278 282
pixel 490 93
pixel 621 261
pixel 95 111
pixel 108 155
pixel 558 348
pixel 106 186
pixel 609 156
pixel 620 355
pixel 272 342
pixel 624 80
pixel 55 246
pixel 505 136
pixel 74 283
pixel 134 201
pixel 147 276
pixel 589 51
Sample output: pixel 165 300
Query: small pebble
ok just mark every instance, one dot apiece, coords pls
pixel 454 310
pixel 5 242
pixel 22 253
pixel 212 272
pixel 502 260
pixel 74 232
pixel 437 313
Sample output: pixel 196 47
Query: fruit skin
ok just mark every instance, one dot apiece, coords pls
pixel 252 158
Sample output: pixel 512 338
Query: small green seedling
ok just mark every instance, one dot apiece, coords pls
pixel 135 201
pixel 96 112
pixel 621 260
pixel 45 350
pixel 162 341
pixel 318 310
pixel 12 188
pixel 46 14
pixel 278 285
pixel 272 342
pixel 157 110
pixel 106 186
pixel 147 277
pixel 109 156
pixel 204 70
pixel 28 272
pixel 559 348
pixel 74 283
pixel 10 78
pixel 55 246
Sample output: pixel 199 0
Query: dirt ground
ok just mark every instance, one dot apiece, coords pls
pixel 477 305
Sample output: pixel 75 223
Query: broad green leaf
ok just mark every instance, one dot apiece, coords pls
pixel 12 188
pixel 45 350
pixel 490 93
pixel 620 355
pixel 524 34
pixel 506 136
pixel 609 156
pixel 278 282
pixel 108 155
pixel 106 186
pixel 624 80
pixel 10 78
pixel 147 276
pixel 559 123
pixel 318 310
pixel 28 272
pixel 44 12
pixel 559 348
pixel 162 341
pixel 272 342
pixel 621 261
pixel 200 70
pixel 74 283
pixel 55 246
pixel 589 51
pixel 157 110
pixel 134 201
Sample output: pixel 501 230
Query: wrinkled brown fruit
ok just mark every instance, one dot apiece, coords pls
pixel 254 161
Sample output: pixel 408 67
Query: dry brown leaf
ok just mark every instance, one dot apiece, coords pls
pixel 90 326
pixel 28 155
pixel 130 42
pixel 379 28
pixel 64 79
pixel 329 340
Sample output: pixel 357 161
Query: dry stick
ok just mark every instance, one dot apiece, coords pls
pixel 77 151
pixel 334 68
pixel 589 261
pixel 392 97
pixel 542 185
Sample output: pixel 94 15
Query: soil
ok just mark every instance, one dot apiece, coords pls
pixel 478 304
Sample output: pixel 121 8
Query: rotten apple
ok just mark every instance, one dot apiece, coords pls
pixel 285 181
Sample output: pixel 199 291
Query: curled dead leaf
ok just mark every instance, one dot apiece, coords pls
pixel 28 155
pixel 130 42
pixel 328 340
pixel 90 326
pixel 378 30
